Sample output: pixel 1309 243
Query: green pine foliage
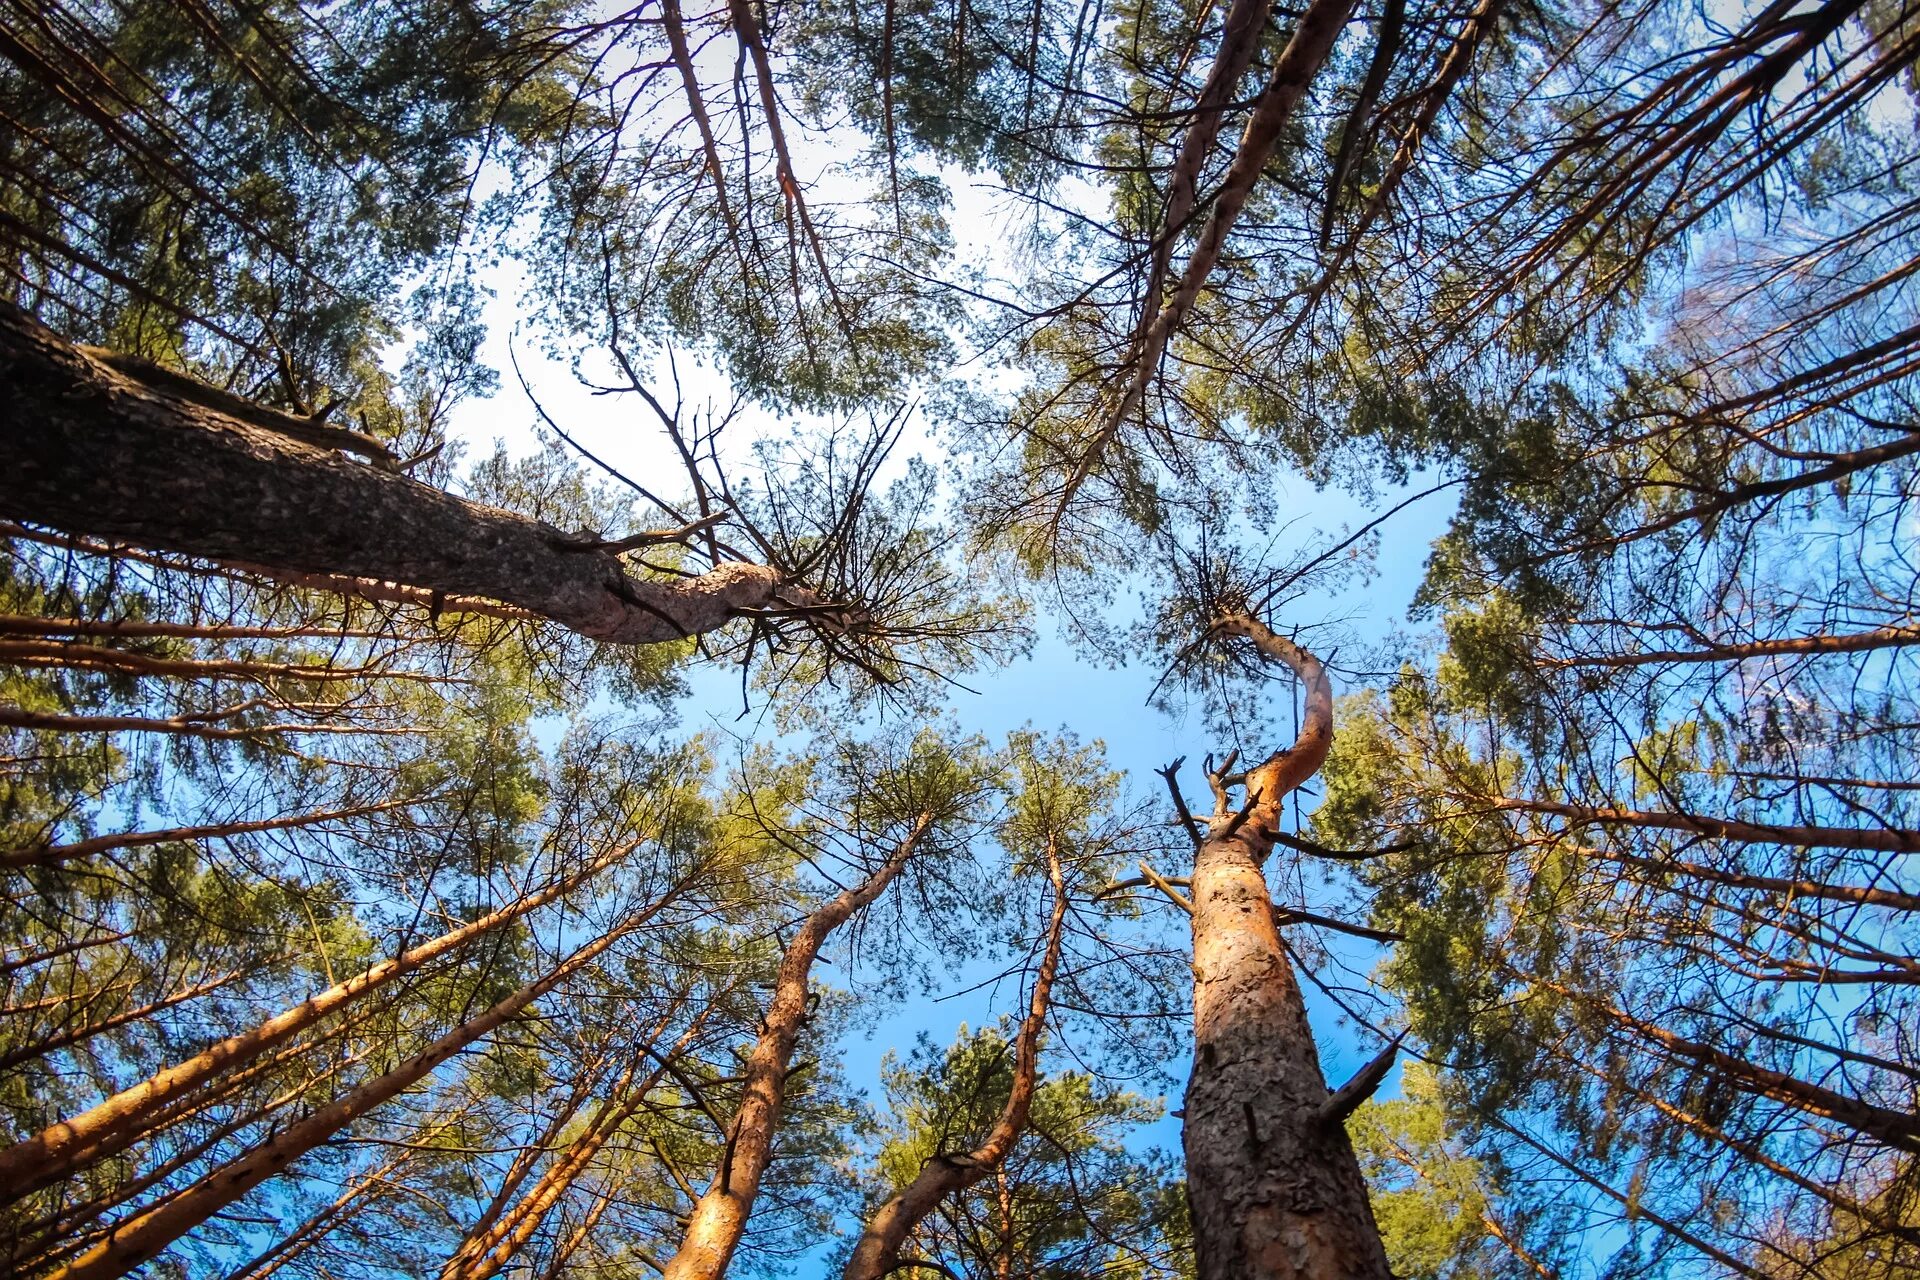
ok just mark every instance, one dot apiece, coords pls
pixel 1625 820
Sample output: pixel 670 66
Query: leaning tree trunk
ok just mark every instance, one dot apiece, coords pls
pixel 103 445
pixel 1275 1190
pixel 876 1254
pixel 142 1237
pixel 110 1126
pixel 1313 38
pixel 488 1249
pixel 719 1217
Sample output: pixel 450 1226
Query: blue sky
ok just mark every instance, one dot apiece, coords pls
pixel 1055 687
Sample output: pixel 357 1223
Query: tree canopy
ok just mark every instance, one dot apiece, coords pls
pixel 375 903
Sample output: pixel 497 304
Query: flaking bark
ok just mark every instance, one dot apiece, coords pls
pixel 1275 1191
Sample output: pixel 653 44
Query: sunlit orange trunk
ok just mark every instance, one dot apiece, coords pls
pixel 720 1216
pixel 1275 1190
pixel 487 1252
pixel 142 1237
pixel 114 1123
pixel 877 1254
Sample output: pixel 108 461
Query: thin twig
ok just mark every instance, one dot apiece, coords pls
pixel 1187 822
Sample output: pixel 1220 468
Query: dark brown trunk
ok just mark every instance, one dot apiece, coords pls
pixel 80 655
pixel 1888 637
pixel 1881 839
pixel 198 724
pixel 97 445
pixel 1898 1129
pixel 1787 886
pixel 1822 1189
pixel 1453 68
pixel 46 855
pixel 15 624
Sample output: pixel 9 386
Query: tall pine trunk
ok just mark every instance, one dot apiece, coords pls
pixel 146 1234
pixel 1275 1190
pixel 877 1253
pixel 112 1125
pixel 104 446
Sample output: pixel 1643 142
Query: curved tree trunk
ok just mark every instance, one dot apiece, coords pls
pixel 1275 1190
pixel 719 1218
pixel 878 1252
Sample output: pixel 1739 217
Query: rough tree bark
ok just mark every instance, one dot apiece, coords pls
pixel 878 1252
pixel 719 1218
pixel 1275 1190
pixel 105 446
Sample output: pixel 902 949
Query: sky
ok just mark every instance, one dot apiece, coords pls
pixel 1055 687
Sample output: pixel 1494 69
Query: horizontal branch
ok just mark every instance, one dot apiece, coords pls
pixel 189 726
pixel 47 854
pixel 1884 839
pixel 1892 637
pixel 1296 915
pixel 1864 895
